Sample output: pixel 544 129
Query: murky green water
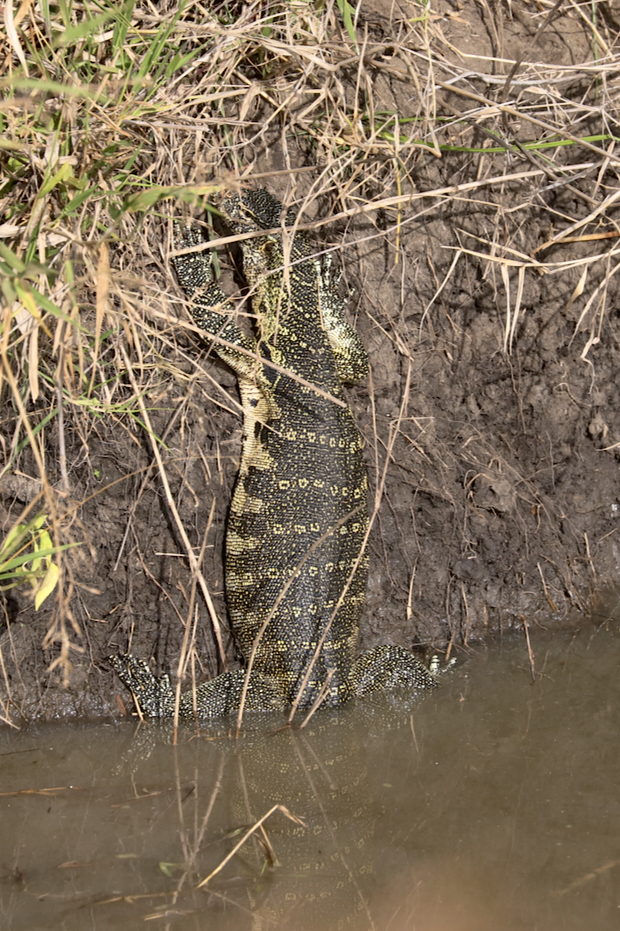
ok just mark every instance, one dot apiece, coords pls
pixel 494 803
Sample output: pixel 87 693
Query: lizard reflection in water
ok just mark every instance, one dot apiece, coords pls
pixel 330 777
pixel 296 570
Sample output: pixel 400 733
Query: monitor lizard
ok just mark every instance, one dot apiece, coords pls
pixel 295 564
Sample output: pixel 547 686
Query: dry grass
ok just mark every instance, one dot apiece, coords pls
pixel 112 117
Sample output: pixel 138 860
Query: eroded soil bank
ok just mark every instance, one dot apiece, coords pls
pixel 491 418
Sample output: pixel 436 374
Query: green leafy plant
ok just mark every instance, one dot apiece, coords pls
pixel 27 556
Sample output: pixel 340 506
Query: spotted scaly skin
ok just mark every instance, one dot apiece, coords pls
pixel 295 570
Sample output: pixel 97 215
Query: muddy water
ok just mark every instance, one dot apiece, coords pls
pixel 493 803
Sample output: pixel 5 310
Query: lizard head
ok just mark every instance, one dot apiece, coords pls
pixel 250 211
pixel 266 258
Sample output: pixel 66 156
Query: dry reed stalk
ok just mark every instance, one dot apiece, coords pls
pixel 248 834
pixel 191 557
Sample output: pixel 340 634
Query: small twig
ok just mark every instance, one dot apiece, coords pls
pixel 62 449
pixel 550 600
pixel 530 653
pixel 140 492
pixel 190 631
pixel 467 616
pixel 589 555
pixel 249 833
pixel 319 699
pixel 191 556
pixel 587 878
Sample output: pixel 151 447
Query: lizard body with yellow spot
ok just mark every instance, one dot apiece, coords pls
pixel 295 563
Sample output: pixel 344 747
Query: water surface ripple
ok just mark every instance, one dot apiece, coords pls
pixel 493 803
